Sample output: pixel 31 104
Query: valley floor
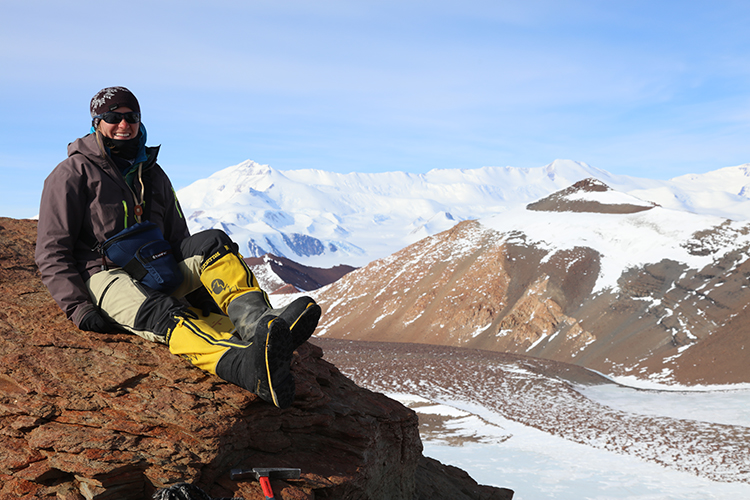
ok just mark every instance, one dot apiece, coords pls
pixel 549 430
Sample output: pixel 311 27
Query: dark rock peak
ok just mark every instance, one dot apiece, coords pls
pixel 590 184
pixel 301 277
pixel 566 201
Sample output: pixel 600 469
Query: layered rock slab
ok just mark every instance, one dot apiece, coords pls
pixel 100 416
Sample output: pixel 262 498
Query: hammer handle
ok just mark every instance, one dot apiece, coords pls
pixel 266 485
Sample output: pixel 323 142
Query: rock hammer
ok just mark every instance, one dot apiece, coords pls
pixel 264 476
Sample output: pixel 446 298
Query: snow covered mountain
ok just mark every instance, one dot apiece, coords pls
pixel 323 219
pixel 587 275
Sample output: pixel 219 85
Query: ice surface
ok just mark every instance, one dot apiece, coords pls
pixel 730 406
pixel 537 465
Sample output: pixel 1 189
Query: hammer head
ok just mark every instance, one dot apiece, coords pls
pixel 269 472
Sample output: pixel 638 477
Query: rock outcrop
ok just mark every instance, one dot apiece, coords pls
pixel 111 416
pixel 574 199
pixel 280 275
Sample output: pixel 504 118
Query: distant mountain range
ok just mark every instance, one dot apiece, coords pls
pixel 323 219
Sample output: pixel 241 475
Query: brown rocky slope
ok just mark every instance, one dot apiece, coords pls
pixel 473 286
pixel 112 416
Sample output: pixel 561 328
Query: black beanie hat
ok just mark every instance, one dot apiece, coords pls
pixel 112 98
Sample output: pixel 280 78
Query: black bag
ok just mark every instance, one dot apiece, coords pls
pixel 144 254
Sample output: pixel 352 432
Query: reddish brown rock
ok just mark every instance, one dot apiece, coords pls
pixel 105 416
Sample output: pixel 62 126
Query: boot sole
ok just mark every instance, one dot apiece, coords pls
pixel 276 384
pixel 305 325
pixel 302 325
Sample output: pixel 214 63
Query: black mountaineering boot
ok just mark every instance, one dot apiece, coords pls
pixel 264 367
pixel 301 315
pixel 237 292
pixel 260 365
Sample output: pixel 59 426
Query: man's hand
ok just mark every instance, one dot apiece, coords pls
pixel 95 322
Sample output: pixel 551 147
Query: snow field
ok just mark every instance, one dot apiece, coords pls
pixel 512 422
pixel 538 465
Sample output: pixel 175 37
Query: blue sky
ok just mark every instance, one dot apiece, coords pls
pixel 641 88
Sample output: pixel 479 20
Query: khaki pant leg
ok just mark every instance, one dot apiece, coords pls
pixel 191 275
pixel 120 297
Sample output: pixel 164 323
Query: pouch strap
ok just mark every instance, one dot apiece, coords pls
pixel 135 269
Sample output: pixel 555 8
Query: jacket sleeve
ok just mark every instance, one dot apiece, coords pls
pixel 61 213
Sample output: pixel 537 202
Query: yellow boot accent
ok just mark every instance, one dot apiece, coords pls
pixel 226 276
pixel 203 341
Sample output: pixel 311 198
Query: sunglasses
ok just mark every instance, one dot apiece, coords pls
pixel 113 117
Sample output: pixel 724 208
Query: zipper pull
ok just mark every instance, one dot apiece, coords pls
pixel 100 249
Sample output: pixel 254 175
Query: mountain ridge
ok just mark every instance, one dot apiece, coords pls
pixel 281 275
pixel 323 219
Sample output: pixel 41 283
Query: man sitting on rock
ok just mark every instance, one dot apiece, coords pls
pixel 111 186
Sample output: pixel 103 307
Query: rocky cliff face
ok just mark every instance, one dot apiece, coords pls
pixel 112 416
pixel 473 286
pixel 281 275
